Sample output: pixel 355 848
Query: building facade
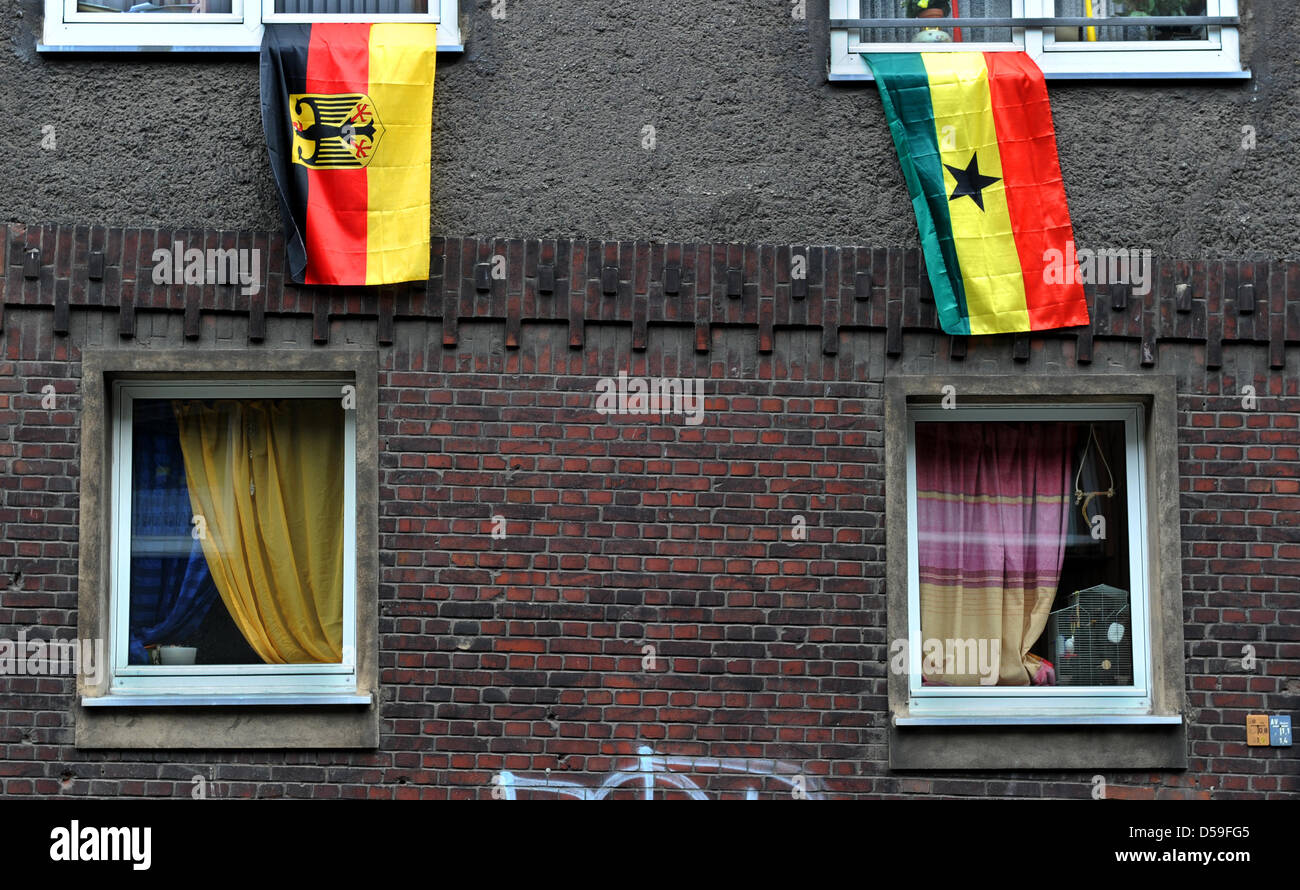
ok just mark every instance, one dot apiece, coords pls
pixel 634 477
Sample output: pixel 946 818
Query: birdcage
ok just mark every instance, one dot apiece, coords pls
pixel 1092 638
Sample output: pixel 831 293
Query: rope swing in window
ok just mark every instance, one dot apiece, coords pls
pixel 1083 499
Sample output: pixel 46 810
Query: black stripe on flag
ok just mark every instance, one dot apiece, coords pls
pixel 284 72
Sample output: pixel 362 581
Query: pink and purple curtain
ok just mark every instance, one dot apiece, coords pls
pixel 991 509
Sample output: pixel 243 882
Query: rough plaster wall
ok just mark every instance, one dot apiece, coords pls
pixel 538 129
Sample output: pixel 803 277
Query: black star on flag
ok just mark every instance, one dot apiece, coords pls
pixel 970 182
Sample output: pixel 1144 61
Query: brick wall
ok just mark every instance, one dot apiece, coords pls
pixel 1241 540
pixel 527 653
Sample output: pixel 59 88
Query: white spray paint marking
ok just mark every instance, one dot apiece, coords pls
pixel 668 773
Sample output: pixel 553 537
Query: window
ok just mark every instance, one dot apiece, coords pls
pixel 1026 560
pixel 234 538
pixel 229 552
pixel 1202 41
pixel 221 25
pixel 1033 574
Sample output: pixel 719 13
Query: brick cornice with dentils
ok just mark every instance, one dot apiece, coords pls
pixel 639 284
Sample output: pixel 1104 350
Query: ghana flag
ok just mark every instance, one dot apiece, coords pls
pixel 975 139
pixel 347 110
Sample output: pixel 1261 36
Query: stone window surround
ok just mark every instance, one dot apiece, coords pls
pixel 959 745
pixel 226 726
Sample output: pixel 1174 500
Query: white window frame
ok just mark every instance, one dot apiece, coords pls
pixel 67 30
pixel 1218 57
pixel 1041 701
pixel 215 680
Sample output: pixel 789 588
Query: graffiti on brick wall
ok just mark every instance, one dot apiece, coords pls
pixel 650 774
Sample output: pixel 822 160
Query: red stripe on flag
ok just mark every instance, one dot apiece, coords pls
pixel 1031 171
pixel 338 61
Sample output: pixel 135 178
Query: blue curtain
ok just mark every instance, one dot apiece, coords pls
pixel 171 587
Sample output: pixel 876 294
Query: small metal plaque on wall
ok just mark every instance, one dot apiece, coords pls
pixel 1257 730
pixel 1279 731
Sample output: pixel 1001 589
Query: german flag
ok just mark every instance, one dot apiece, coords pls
pixel 348 110
pixel 975 139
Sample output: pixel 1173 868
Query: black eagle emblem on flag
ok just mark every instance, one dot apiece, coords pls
pixel 334 132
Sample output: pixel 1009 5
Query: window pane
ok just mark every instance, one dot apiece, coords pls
pixel 1121 8
pixel 1022 540
pixel 177 7
pixel 237 531
pixel 944 12
pixel 352 7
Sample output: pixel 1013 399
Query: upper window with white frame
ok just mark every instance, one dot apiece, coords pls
pixel 1067 38
pixel 233 554
pixel 221 25
pixel 1028 567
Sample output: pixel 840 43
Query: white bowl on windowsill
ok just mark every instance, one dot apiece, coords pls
pixel 177 654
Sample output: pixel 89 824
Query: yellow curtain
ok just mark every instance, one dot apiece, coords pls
pixel 267 478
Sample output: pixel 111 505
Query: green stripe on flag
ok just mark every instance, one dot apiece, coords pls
pixel 904 86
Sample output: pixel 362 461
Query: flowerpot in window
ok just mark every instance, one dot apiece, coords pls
pixel 932 35
pixel 177 654
pixel 930 9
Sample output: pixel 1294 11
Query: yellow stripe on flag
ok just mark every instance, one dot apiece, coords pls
pixel 984 239
pixel 402 59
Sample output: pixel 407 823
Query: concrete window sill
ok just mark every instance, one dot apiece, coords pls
pixel 1046 720
pixel 190 701
pixel 1100 743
